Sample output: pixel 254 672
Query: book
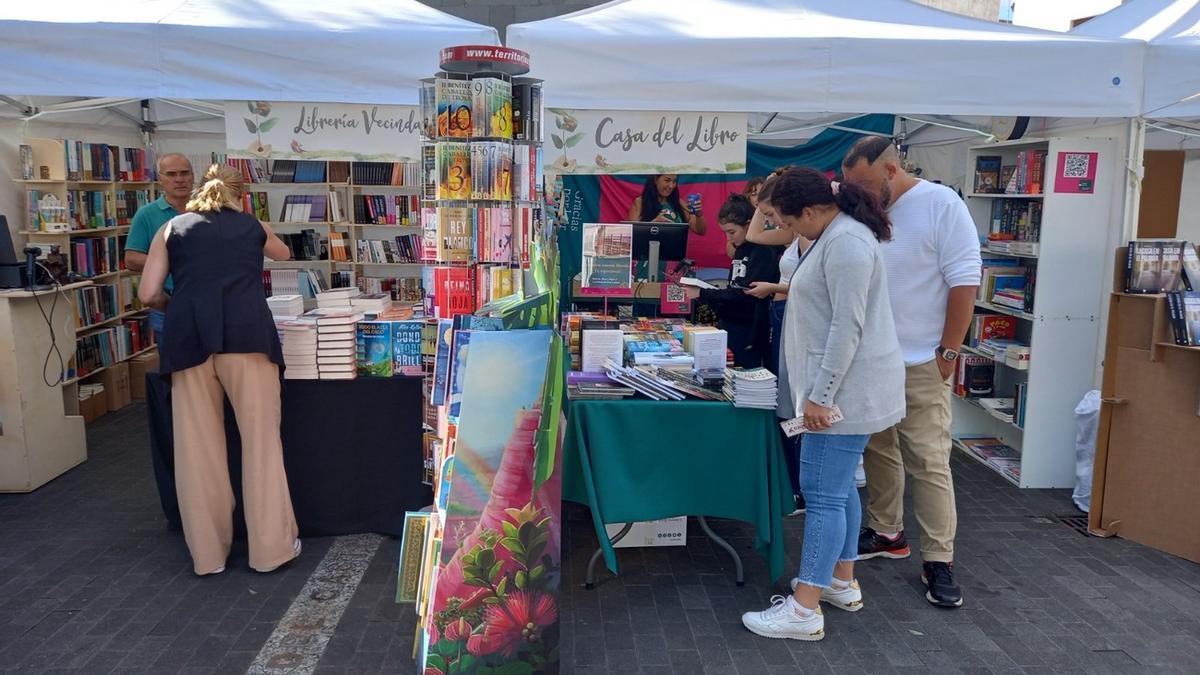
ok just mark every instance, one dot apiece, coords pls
pixel 1191 266
pixel 406 348
pixel 1177 319
pixel 374 348
pixel 491 108
pixel 454 171
pixel 987 174
pixel 412 552
pixel 455 241
pixel 987 326
pixel 454 103
pixel 1143 267
pixel 599 346
pixel 1171 271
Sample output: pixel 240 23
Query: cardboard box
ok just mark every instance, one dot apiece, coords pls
pixel 116 386
pixel 138 367
pixel 666 532
pixel 93 402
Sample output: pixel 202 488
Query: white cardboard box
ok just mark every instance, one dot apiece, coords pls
pixel 666 532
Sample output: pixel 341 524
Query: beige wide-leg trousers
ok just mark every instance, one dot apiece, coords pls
pixel 202 469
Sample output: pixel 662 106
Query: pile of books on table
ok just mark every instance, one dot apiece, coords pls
pixel 994 453
pixel 1000 408
pixel 299 340
pixel 751 388
pixel 336 346
pixel 595 387
pixel 289 306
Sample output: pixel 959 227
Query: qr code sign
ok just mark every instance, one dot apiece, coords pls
pixel 1076 165
pixel 675 293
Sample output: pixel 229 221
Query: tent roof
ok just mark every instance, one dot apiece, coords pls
pixel 1172 28
pixel 823 56
pixel 355 51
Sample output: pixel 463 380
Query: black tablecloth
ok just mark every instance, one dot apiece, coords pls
pixel 351 448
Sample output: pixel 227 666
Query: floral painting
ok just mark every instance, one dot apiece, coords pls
pixel 495 604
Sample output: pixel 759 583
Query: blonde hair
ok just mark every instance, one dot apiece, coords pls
pixel 222 189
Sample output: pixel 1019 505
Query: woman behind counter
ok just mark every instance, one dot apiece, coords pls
pixel 660 202
pixel 221 340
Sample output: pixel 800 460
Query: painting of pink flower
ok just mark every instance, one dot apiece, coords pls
pixel 457 630
pixel 519 619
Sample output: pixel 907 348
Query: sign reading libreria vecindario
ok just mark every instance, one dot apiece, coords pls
pixel 323 131
pixel 641 142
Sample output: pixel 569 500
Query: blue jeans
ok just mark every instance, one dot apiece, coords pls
pixel 834 510
pixel 157 319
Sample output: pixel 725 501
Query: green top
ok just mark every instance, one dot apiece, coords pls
pixel 146 223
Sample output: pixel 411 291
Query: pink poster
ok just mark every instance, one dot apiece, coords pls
pixel 1076 173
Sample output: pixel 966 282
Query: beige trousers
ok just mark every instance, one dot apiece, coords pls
pixel 202 469
pixel 919 445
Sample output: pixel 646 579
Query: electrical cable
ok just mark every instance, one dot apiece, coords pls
pixel 62 366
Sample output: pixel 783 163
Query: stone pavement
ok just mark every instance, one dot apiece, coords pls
pixel 92 582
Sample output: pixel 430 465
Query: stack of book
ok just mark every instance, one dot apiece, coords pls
pixel 336 344
pixel 1184 312
pixel 1000 408
pixel 299 339
pixel 595 387
pixel 290 306
pixel 373 304
pixel 753 388
pixel 340 299
pixel 642 381
pixel 995 454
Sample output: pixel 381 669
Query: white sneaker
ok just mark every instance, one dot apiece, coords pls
pixel 849 599
pixel 781 621
pixel 860 476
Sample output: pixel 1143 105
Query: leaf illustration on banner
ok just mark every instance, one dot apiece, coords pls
pixel 250 125
pixel 557 121
pixel 267 125
pixel 558 141
pixel 250 106
pixel 573 140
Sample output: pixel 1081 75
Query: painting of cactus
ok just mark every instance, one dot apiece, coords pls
pixel 495 604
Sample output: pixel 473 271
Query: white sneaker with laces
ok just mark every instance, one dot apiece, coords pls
pixel 781 621
pixel 860 475
pixel 849 599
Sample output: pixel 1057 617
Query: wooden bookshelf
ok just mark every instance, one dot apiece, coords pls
pixel 1063 328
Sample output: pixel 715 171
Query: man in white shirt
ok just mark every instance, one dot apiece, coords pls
pixel 933 267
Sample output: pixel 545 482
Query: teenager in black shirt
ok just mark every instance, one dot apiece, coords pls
pixel 740 314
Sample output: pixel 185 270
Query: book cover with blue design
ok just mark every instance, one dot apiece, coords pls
pixel 406 348
pixel 374 348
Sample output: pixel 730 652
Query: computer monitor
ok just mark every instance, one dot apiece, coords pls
pixel 659 241
pixel 10 268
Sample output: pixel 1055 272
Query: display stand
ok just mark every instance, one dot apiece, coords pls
pixel 40 438
pixel 1143 478
pixel 482 566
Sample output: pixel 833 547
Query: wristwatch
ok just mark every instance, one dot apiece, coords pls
pixel 946 354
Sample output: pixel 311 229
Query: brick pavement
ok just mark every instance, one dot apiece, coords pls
pixel 92 582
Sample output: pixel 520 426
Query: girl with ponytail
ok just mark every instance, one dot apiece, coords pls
pixel 220 340
pixel 844 374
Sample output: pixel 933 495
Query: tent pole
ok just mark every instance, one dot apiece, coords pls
pixel 1135 171
pixel 26 110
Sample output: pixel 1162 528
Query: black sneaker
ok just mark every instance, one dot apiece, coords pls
pixel 799 505
pixel 871 544
pixel 938 578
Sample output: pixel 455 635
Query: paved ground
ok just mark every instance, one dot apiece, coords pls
pixel 91 581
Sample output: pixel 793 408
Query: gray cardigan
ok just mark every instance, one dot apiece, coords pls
pixel 840 345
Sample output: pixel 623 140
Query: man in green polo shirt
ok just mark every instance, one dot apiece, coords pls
pixel 175 181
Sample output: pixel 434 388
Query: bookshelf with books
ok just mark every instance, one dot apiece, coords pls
pixel 80 201
pixel 1041 208
pixel 1150 408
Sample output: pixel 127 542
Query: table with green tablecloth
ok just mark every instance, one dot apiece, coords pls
pixel 636 460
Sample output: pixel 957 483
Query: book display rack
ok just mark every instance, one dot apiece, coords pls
pixel 1040 206
pixel 1146 460
pixel 80 200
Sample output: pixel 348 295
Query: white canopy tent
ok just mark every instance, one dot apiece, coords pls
pixel 1172 72
pixel 822 56
pixel 354 51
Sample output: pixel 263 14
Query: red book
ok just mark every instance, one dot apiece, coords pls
pixel 453 291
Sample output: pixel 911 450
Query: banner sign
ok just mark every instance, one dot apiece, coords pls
pixel 645 142
pixel 323 131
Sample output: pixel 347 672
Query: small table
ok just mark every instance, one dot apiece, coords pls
pixel 637 460
pixel 351 448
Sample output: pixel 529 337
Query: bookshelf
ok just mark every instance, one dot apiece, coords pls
pixel 1061 326
pixel 101 187
pixel 1143 478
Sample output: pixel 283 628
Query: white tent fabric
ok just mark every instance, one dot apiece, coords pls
pixel 354 51
pixel 1172 29
pixel 823 56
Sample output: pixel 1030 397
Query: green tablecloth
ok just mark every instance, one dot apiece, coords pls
pixel 637 460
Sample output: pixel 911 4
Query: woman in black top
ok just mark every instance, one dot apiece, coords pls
pixel 221 340
pixel 742 316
